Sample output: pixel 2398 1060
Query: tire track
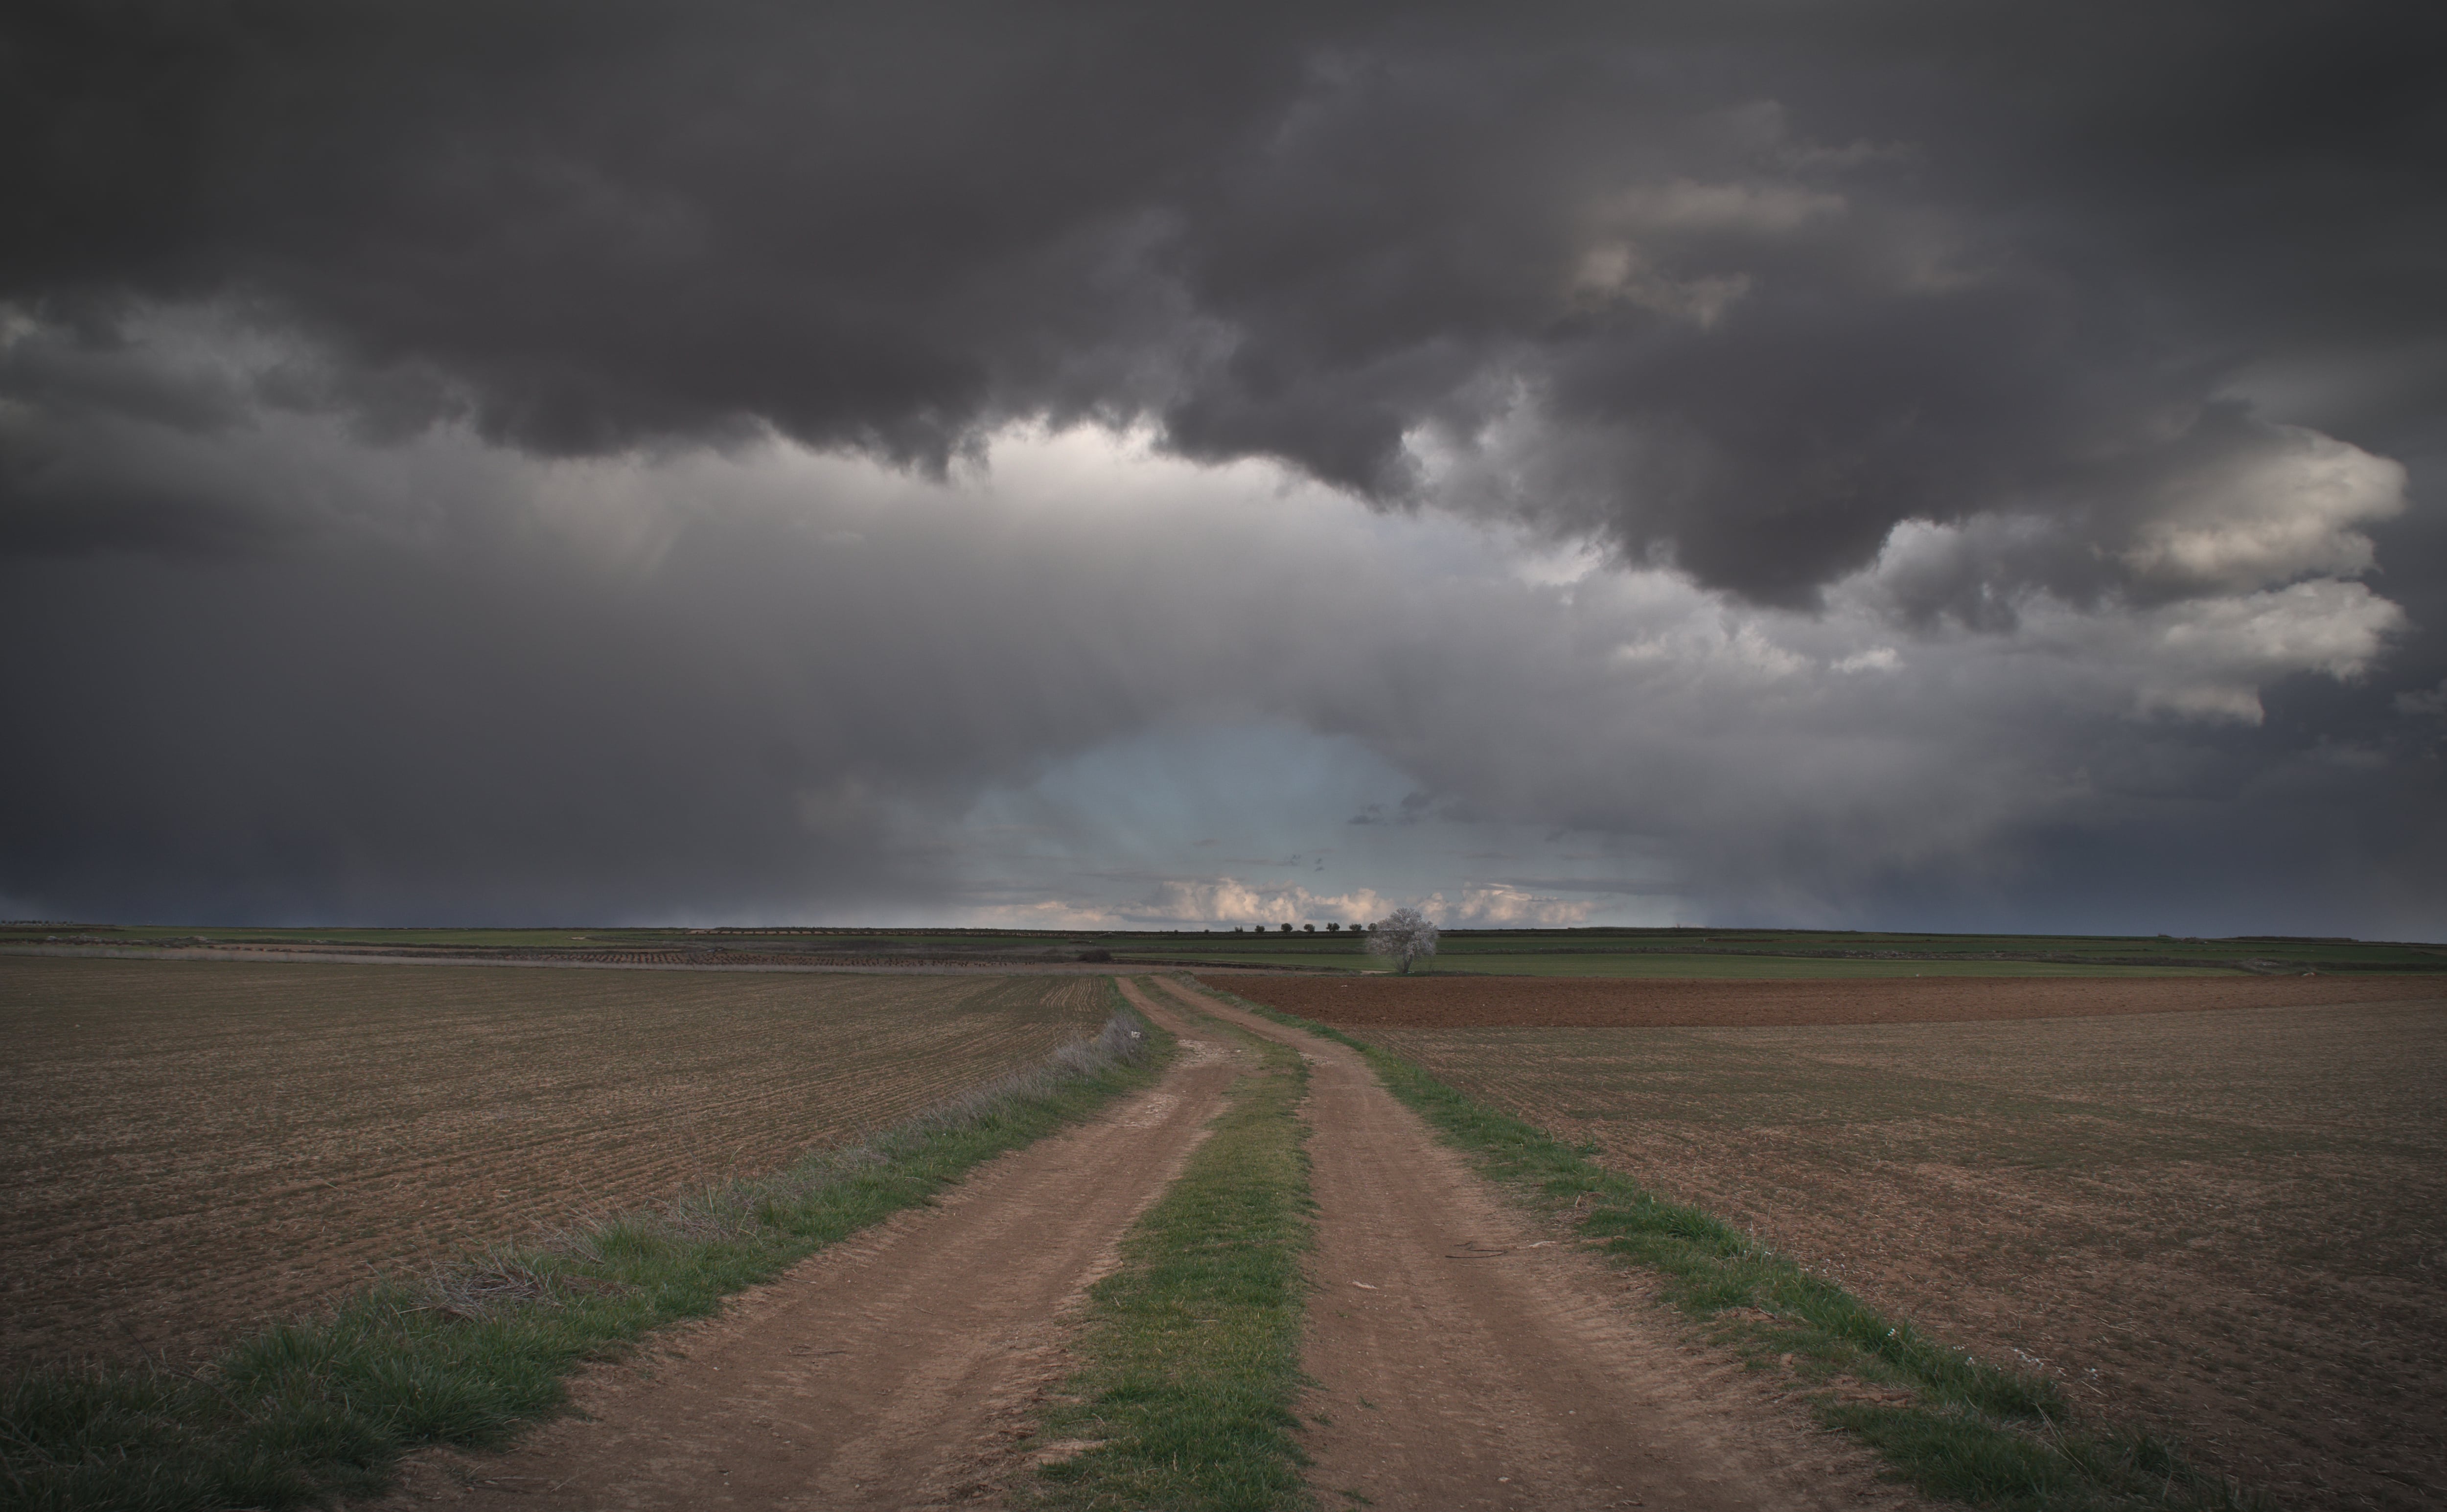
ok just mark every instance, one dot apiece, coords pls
pixel 1467 1356
pixel 897 1369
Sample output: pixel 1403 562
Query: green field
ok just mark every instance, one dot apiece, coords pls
pixel 1597 963
pixel 1789 954
pixel 574 938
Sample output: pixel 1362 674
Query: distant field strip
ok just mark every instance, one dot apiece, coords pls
pixel 187 1149
pixel 1748 967
pixel 1468 962
pixel 1551 1002
pixel 2232 1225
pixel 389 953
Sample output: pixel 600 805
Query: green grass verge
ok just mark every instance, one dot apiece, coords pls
pixel 1192 1350
pixel 303 1413
pixel 1952 1426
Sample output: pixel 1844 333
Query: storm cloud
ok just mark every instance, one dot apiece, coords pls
pixel 758 460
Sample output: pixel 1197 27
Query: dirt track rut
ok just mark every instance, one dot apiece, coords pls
pixel 893 1371
pixel 1465 1356
pixel 1469 1357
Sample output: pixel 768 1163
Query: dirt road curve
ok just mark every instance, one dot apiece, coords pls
pixel 1468 1358
pixel 889 1371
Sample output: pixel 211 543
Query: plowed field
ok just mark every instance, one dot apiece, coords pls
pixel 1563 1002
pixel 189 1148
pixel 2229 1226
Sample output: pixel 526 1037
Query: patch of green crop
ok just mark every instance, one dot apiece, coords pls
pixel 1191 1348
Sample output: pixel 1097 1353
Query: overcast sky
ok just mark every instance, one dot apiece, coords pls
pixel 1876 466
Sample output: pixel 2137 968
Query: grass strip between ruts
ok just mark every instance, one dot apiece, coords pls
pixel 1952 1426
pixel 1190 1351
pixel 302 1412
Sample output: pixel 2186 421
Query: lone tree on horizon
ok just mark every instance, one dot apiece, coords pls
pixel 1402 937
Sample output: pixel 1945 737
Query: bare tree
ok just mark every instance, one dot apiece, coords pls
pixel 1402 937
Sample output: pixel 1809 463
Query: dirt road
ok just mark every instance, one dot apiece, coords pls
pixel 1467 1356
pixel 893 1371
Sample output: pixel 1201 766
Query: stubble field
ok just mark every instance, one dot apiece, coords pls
pixel 2229 1223
pixel 190 1148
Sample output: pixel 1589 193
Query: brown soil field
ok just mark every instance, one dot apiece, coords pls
pixel 188 1149
pixel 2228 1226
pixel 901 1369
pixel 1564 1002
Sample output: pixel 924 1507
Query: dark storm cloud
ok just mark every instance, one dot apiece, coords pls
pixel 84 421
pixel 497 723
pixel 2046 402
pixel 1761 280
pixel 772 687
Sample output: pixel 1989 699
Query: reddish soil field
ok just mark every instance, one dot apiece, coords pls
pixel 190 1148
pixel 2227 1225
pixel 1564 1002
